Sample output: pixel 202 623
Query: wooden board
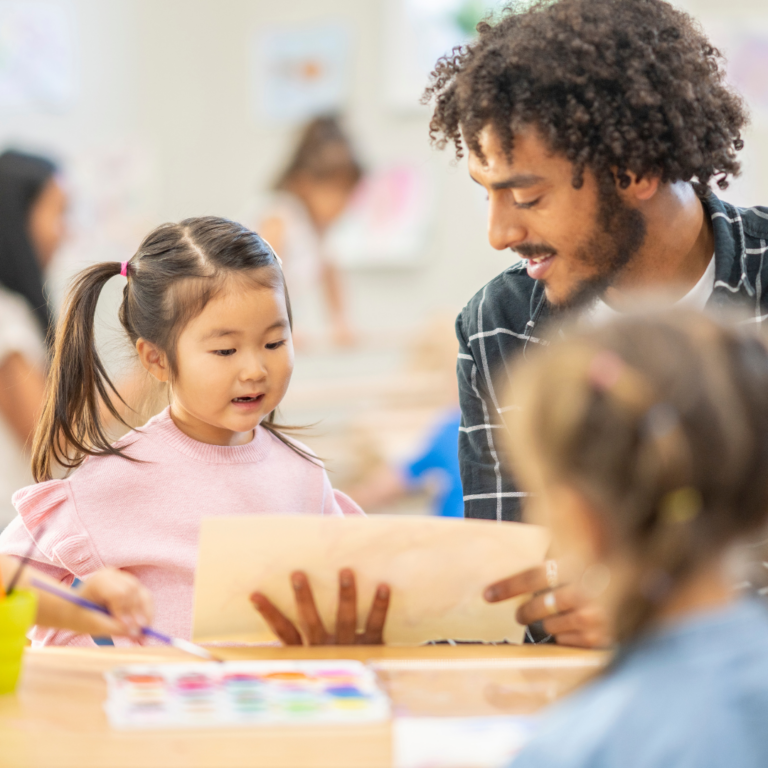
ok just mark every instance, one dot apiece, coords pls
pixel 56 718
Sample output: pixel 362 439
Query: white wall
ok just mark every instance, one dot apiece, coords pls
pixel 169 78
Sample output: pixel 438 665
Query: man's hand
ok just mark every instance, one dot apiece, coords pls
pixel 312 630
pixel 565 612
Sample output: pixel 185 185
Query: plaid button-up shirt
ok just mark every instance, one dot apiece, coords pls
pixel 508 315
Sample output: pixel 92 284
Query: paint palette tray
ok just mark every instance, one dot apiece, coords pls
pixel 246 693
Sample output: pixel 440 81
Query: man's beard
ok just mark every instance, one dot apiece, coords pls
pixel 619 233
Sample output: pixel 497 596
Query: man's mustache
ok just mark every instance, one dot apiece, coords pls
pixel 532 250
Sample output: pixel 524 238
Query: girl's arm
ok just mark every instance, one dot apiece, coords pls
pixel 124 596
pixel 22 388
pixel 334 296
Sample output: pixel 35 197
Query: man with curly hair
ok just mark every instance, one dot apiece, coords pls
pixel 595 126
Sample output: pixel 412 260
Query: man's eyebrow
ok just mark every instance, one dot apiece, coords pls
pixel 518 181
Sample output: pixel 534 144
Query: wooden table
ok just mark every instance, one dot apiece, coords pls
pixel 56 717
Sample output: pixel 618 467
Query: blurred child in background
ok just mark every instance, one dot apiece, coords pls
pixel 433 462
pixel 437 463
pixel 644 441
pixel 33 207
pixel 309 196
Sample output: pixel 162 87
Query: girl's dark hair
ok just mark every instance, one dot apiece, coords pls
pixel 324 153
pixel 662 424
pixel 176 271
pixel 22 178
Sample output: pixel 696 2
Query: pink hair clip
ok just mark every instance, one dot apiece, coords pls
pixel 605 370
pixel 124 268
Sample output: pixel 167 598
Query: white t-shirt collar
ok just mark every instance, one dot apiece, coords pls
pixel 696 298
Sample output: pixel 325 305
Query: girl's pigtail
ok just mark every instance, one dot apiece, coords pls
pixel 78 387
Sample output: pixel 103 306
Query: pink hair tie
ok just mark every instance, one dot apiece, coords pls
pixel 124 268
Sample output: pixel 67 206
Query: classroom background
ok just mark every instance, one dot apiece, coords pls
pixel 158 110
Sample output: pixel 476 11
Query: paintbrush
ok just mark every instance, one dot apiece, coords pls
pixel 16 576
pixel 176 642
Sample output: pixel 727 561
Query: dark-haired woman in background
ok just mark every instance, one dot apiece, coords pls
pixel 32 226
pixel 309 196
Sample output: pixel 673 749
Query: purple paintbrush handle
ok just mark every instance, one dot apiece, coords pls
pixel 83 603
pixel 69 597
pixel 149 632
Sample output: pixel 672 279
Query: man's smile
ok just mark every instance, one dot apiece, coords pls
pixel 538 266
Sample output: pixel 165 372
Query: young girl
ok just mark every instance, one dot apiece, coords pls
pixel 205 305
pixel 646 442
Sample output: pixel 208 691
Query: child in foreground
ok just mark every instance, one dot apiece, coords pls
pixel 129 604
pixel 206 308
pixel 646 443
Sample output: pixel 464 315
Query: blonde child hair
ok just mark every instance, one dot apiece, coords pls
pixel 661 423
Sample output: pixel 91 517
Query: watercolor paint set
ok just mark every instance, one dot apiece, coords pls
pixel 248 693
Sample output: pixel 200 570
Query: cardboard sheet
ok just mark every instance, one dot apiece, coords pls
pixel 458 742
pixel 437 569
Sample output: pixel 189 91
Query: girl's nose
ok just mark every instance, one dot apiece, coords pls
pixel 255 370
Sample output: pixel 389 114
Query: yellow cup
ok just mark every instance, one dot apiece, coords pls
pixel 17 614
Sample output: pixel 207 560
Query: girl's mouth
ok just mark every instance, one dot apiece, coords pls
pixel 248 401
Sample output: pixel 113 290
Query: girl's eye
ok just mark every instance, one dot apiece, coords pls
pixel 530 204
pixel 224 352
pixel 276 344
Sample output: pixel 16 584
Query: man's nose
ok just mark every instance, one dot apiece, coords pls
pixel 505 230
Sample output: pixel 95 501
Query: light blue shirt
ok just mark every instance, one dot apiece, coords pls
pixel 694 695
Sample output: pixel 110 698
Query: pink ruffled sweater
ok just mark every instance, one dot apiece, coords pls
pixel 145 517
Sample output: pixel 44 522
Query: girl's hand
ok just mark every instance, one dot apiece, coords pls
pixel 123 595
pixel 312 629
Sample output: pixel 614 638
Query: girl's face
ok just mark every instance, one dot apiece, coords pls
pixel 326 200
pixel 234 360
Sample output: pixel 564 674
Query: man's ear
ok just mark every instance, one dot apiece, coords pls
pixel 639 190
pixel 153 359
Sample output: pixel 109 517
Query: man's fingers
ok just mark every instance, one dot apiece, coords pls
pixel 551 602
pixel 581 619
pixel 584 639
pixel 523 583
pixel 586 627
pixel 346 616
pixel 377 617
pixel 310 619
pixel 278 623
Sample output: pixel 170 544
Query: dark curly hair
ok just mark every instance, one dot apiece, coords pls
pixel 614 85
